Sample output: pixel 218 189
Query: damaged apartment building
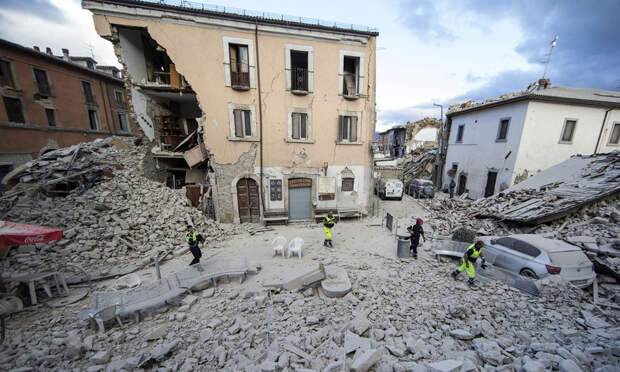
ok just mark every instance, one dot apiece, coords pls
pixel 275 114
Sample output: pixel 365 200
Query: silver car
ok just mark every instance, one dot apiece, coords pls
pixel 536 257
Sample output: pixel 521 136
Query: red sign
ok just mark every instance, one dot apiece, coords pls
pixel 13 233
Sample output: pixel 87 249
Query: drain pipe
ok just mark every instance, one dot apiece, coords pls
pixel 601 132
pixel 260 115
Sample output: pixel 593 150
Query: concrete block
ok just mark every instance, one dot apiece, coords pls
pixel 461 334
pixel 101 357
pixel 336 282
pixel 449 365
pixel 360 323
pixel 363 360
pixel 156 333
pixel 353 342
pixel 298 281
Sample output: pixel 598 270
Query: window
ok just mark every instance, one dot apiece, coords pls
pixel 502 131
pixel 506 242
pixel 347 128
pixel 243 123
pixel 122 121
pixel 239 66
pixel 14 109
pixel 6 75
pixel 275 188
pixel 614 138
pixel 300 126
pixel 526 248
pixel 347 184
pixel 299 70
pixel 88 92
pixel 43 84
pixel 568 131
pixel 351 68
pixel 351 74
pixel 119 98
pixel 51 120
pixel 459 133
pixel 90 65
pixel 92 119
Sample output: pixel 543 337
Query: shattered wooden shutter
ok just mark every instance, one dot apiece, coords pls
pixel 232 48
pixel 296 125
pixel 353 129
pixel 340 127
pixel 302 126
pixel 42 82
pixel 238 123
pixel 247 119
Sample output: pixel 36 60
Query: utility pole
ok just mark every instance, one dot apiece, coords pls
pixel 436 168
pixel 554 42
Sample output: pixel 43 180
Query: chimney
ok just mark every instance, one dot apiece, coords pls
pixel 48 50
pixel 65 54
pixel 36 48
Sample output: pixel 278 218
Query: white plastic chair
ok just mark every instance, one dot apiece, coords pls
pixel 278 245
pixel 296 246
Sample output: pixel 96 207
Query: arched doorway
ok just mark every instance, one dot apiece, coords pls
pixel 248 200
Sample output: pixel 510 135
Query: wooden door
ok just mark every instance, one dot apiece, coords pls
pixel 248 200
pixel 490 189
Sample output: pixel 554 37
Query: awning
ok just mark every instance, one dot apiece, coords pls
pixel 12 233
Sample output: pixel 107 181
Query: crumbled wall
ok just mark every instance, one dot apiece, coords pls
pixel 224 190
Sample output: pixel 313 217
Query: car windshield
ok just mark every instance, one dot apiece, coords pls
pixel 568 258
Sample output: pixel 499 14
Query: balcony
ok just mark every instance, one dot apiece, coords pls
pixel 299 81
pixel 349 85
pixel 239 76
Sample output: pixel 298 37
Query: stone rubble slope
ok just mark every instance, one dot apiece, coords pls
pixel 120 222
pixel 400 316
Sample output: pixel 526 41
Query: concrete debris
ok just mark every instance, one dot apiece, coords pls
pixel 336 282
pixel 111 229
pixel 449 365
pixel 296 281
pixel 363 360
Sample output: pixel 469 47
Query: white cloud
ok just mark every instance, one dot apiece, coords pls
pixel 76 32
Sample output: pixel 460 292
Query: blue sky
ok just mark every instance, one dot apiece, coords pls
pixel 428 51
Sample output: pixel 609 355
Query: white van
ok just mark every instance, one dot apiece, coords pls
pixel 389 188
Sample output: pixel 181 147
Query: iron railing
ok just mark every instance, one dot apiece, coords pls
pixel 263 15
pixel 299 79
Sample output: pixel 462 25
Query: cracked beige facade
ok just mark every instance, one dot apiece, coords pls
pixel 285 111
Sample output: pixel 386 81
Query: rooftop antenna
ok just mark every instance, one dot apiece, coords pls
pixel 554 42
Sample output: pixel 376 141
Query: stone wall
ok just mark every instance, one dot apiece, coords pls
pixel 224 184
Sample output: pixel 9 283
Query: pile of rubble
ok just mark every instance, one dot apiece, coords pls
pixel 399 317
pixel 117 221
pixel 419 163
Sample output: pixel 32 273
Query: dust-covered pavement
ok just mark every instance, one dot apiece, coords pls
pixel 408 314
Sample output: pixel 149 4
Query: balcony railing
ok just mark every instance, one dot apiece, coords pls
pixel 350 82
pixel 299 79
pixel 238 78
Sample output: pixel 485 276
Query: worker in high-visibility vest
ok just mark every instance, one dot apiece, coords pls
pixel 469 258
pixel 328 224
pixel 193 239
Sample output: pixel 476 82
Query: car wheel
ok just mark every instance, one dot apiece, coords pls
pixel 528 273
pixel 401 198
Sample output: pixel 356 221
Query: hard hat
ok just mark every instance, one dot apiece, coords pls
pixel 419 220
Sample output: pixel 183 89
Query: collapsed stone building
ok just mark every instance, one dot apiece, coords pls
pixel 241 105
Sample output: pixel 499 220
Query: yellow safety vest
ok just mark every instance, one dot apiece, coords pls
pixel 476 252
pixel 328 222
pixel 193 238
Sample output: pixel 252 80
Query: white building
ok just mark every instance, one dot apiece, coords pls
pixel 494 145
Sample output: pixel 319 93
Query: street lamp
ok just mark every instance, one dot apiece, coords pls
pixel 441 106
